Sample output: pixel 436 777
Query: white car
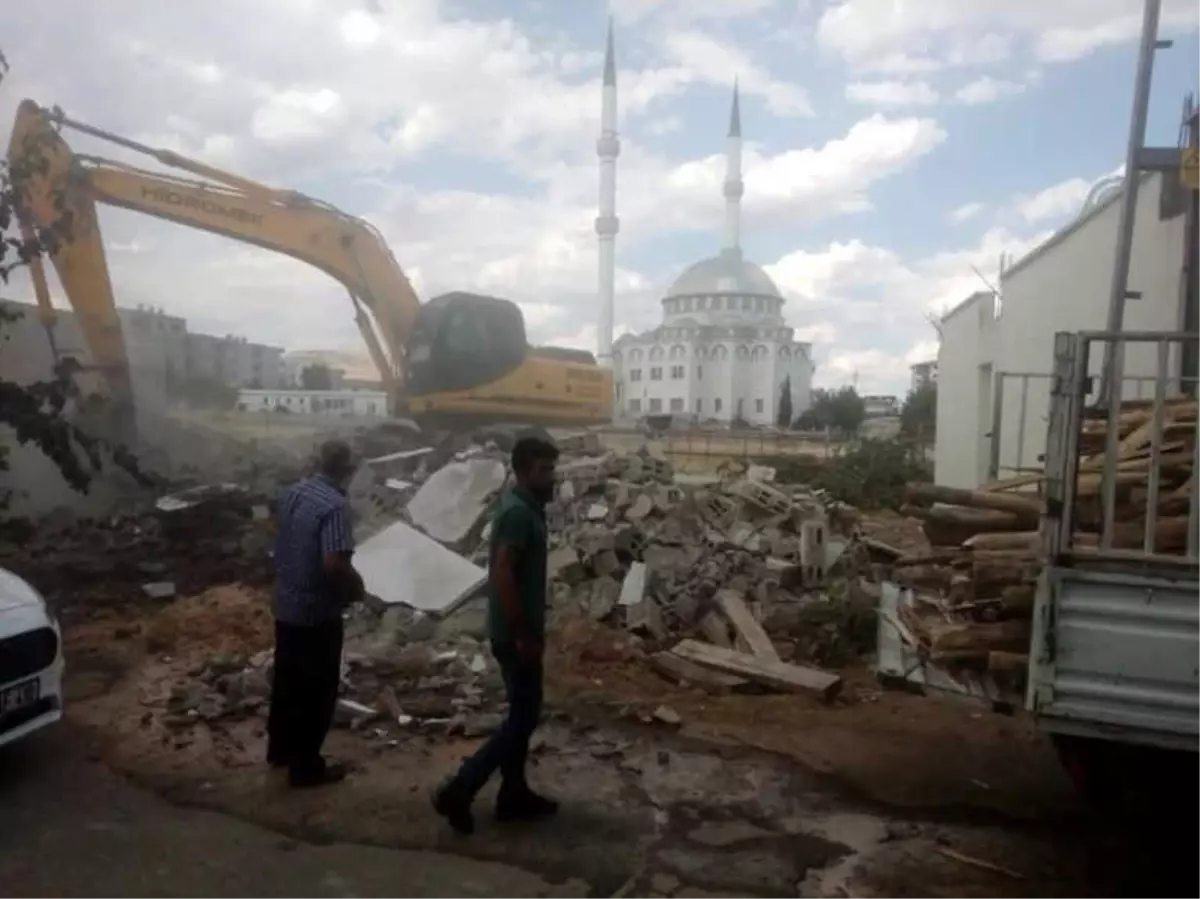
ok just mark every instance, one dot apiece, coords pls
pixel 31 660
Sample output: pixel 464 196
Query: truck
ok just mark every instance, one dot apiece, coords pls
pixel 1098 636
pixel 1114 660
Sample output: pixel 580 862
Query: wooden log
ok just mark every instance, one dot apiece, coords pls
pixel 750 634
pixel 981 638
pixel 1001 662
pixel 950 525
pixel 1028 541
pixel 1170 534
pixel 778 675
pixel 990 576
pixel 1029 508
pixel 1016 600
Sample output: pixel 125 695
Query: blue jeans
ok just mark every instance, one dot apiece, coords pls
pixel 507 748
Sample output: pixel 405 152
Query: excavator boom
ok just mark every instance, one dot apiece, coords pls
pixel 469 357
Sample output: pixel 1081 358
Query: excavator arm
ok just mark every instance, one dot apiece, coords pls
pixel 54 185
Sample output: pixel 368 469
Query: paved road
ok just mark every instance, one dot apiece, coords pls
pixel 72 828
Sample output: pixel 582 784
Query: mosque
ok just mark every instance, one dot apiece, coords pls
pixel 723 351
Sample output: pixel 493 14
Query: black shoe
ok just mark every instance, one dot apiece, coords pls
pixel 523 805
pixel 325 775
pixel 455 810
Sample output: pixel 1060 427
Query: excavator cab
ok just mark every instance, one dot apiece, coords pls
pixel 463 341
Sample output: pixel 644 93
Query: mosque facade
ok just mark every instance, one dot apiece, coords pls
pixel 724 351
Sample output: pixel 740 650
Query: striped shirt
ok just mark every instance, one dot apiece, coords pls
pixel 312 518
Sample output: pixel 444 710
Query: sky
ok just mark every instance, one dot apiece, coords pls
pixel 895 149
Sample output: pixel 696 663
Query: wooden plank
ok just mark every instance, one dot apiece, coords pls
pixel 712 626
pixel 749 631
pixel 679 669
pixel 778 675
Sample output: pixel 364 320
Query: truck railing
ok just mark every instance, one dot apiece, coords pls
pixel 1068 418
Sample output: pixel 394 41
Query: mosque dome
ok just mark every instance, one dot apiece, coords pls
pixel 728 272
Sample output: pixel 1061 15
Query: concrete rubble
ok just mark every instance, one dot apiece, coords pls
pixel 725 583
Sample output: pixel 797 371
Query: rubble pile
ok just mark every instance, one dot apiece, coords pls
pixel 722 583
pixel 970 599
pixel 187 542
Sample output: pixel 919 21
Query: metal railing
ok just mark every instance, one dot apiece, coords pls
pixel 1028 381
pixel 1070 411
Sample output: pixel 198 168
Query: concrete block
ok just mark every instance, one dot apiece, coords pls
pixel 402 565
pixel 450 504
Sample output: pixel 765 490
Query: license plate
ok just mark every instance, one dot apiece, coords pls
pixel 19 696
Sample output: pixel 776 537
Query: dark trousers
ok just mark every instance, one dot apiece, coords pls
pixel 304 692
pixel 507 748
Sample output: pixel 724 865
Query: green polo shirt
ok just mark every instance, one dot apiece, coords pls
pixel 520 524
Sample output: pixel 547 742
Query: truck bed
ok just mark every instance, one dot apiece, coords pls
pixel 1116 655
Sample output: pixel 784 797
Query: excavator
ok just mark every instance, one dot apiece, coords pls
pixel 460 360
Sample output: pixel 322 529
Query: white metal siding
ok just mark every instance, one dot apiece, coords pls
pixel 1062 286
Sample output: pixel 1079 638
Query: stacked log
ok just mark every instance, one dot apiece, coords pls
pixel 975 590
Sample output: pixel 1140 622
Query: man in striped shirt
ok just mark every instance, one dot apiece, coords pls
pixel 314 582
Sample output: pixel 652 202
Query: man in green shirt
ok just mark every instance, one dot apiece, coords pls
pixel 517 627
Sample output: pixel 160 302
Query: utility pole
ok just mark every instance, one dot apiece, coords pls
pixel 1138 158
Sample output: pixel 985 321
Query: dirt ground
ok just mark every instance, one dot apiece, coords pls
pixel 877 794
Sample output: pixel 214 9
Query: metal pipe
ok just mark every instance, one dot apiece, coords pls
pixel 1110 384
pixel 1194 497
pixel 1080 366
pixel 1156 435
pixel 1021 420
pixel 997 412
pixel 1112 439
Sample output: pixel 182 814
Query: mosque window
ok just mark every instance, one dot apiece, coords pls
pixel 635 374
pixel 635 405
pixel 678 351
pixel 677 372
pixel 656 354
pixel 635 356
pixel 742 352
pixel 676 404
pixel 655 404
pixel 758 406
pixel 746 303
pixel 656 374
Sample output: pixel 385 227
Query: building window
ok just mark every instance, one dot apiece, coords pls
pixel 717 404
pixel 758 406
pixel 635 405
pixel 699 372
pixel 635 374
pixel 699 406
pixel 677 372
pixel 677 404
pixel 655 405
pixel 656 374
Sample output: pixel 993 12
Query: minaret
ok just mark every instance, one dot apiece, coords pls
pixel 734 188
pixel 608 148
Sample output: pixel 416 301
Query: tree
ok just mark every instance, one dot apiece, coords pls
pixel 35 412
pixel 840 410
pixel 918 418
pixel 317 376
pixel 783 417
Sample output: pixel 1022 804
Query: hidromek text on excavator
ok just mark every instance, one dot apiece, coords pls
pixel 460 359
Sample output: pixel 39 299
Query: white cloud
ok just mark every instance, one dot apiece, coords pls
pixel 923 35
pixel 891 93
pixel 987 90
pixel 965 212
pixel 634 11
pixel 1053 202
pixel 877 303
pixel 707 59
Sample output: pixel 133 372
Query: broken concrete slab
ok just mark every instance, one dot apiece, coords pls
pixel 751 636
pixel 633 588
pixel 451 502
pixel 402 565
pixel 159 589
pixel 683 671
pixel 781 676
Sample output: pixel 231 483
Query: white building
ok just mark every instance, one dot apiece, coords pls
pixel 723 351
pixel 356 403
pixel 880 406
pixel 997 354
pixel 923 374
